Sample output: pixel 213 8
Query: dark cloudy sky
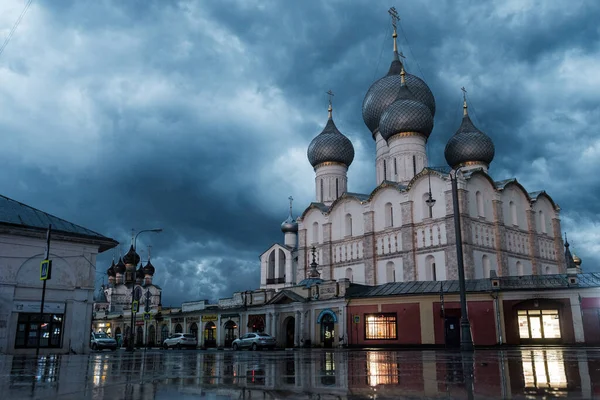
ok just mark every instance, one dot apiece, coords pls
pixel 195 116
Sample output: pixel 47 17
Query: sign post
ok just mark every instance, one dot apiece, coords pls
pixel 45 275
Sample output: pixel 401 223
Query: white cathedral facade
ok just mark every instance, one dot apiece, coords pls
pixel 404 229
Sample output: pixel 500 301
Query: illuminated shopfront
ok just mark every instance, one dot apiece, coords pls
pixel 381 326
pixel 539 324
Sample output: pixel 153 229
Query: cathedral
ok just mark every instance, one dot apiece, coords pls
pixel 403 230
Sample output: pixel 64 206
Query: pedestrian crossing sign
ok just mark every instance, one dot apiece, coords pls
pixel 147 316
pixel 45 270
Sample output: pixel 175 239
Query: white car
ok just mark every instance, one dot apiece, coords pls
pixel 101 341
pixel 179 340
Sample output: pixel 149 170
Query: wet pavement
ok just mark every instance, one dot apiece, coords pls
pixel 304 374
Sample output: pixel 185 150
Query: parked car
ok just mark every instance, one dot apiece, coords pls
pixel 101 341
pixel 179 340
pixel 254 341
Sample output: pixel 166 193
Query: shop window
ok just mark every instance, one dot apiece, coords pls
pixel 539 324
pixel 49 326
pixel 381 326
pixel 544 369
pixel 381 370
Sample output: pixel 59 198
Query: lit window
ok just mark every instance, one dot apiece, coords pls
pixel 544 369
pixel 538 324
pixel 382 370
pixel 380 326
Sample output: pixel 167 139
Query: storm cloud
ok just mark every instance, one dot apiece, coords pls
pixel 195 116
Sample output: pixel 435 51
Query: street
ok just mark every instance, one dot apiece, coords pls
pixel 304 374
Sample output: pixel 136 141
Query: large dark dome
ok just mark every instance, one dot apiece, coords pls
pixel 383 92
pixel 330 146
pixel 406 114
pixel 131 257
pixel 120 267
pixel 469 144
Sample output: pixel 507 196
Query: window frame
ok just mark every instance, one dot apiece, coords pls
pixel 390 319
pixel 33 318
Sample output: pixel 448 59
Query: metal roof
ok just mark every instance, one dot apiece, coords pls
pixel 15 213
pixel 528 282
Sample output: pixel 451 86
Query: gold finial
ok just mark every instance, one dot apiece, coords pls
pixel 394 14
pixel 402 76
pixel 465 107
pixel 330 108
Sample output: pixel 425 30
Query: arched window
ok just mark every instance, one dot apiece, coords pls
pixel 271 266
pixel 322 197
pixel 194 330
pixel 548 270
pixel 315 232
pixel 348 225
pixel 164 332
pixel 349 274
pixel 384 170
pixel 390 270
pixel 430 269
pixel 487 267
pixel 542 222
pixel 337 188
pixel 389 215
pixel 520 271
pixel 178 328
pixel 414 165
pixel 479 201
pixel 395 167
pixel 513 212
pixel 281 269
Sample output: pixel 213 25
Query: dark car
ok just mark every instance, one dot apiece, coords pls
pixel 254 341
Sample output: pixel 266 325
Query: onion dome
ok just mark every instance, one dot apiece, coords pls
pixel 289 225
pixel 569 259
pixel 576 260
pixel 149 268
pixel 330 146
pixel 469 144
pixel 120 267
pixel 131 257
pixel 383 92
pixel 406 114
pixel 139 274
pixel 111 270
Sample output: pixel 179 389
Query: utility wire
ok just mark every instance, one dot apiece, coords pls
pixel 411 52
pixel 14 28
pixel 387 30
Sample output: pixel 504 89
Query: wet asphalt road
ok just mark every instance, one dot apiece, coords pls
pixel 304 374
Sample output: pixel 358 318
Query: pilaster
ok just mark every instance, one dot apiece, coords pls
pixel 369 252
pixel 500 231
pixel 559 246
pixel 450 251
pixel 409 244
pixel 302 256
pixel 326 267
pixel 534 247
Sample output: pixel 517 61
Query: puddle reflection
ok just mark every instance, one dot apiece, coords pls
pixel 534 372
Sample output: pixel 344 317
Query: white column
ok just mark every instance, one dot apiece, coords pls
pixel 297 328
pixel 219 331
pixel 341 326
pixel 577 320
pixel 274 325
pixel 584 373
pixel 268 317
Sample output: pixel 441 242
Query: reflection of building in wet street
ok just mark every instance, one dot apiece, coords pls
pixel 301 374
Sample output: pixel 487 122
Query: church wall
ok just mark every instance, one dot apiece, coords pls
pixel 513 269
pixel 424 266
pixel 544 213
pixel 483 267
pixel 385 268
pixel 418 194
pixel 480 206
pixel 358 273
pixel 514 193
pixel 307 223
pixel 338 220
pixel 378 203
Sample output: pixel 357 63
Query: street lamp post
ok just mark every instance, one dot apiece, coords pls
pixel 466 341
pixel 130 344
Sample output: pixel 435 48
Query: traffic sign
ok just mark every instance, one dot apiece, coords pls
pixel 45 270
pixel 147 316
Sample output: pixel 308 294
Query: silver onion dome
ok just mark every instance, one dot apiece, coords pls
pixel 383 92
pixel 330 146
pixel 289 225
pixel 469 144
pixel 406 114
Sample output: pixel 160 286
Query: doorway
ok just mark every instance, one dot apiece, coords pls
pixel 230 328
pixel 452 331
pixel 210 335
pixel 290 328
pixel 327 331
pixel 139 337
